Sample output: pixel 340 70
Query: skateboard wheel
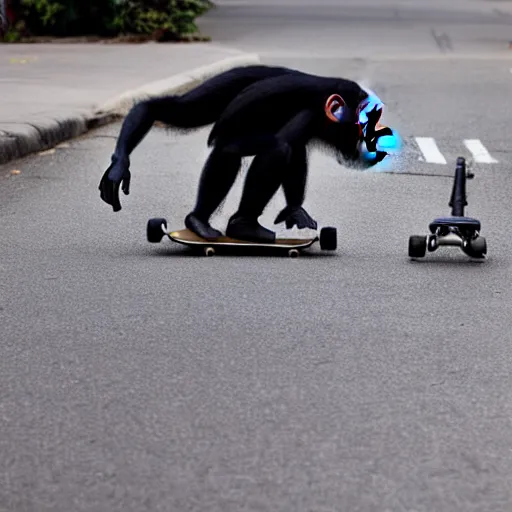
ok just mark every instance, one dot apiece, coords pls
pixel 209 251
pixel 293 253
pixel 417 246
pixel 477 248
pixel 328 239
pixel 154 230
pixel 479 245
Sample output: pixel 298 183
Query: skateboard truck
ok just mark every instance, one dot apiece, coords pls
pixel 157 228
pixel 457 230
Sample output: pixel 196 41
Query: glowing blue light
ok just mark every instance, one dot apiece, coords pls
pixel 390 143
pixel 387 142
pixel 371 103
pixel 368 156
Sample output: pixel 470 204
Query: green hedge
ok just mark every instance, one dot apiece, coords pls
pixel 159 19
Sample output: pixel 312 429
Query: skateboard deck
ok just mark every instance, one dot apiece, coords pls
pixel 187 237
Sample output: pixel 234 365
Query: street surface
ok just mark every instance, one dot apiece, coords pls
pixel 136 377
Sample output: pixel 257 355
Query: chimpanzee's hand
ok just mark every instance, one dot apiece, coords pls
pixel 296 216
pixel 116 175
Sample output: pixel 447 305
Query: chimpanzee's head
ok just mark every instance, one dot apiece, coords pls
pixel 353 131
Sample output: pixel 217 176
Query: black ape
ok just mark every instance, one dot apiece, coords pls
pixel 271 113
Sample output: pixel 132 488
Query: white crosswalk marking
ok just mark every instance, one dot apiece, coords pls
pixel 430 150
pixel 432 154
pixel 480 154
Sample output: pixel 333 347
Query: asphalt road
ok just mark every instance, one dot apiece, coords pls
pixel 138 377
pixel 363 28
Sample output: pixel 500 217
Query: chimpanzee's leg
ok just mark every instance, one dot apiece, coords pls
pixel 217 178
pixel 264 178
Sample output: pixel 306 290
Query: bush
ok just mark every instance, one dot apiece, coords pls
pixel 65 17
pixel 163 19
pixel 171 18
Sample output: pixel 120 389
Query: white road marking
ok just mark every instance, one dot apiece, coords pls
pixel 430 150
pixel 480 154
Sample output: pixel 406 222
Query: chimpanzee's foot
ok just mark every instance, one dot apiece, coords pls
pixel 249 229
pixel 200 227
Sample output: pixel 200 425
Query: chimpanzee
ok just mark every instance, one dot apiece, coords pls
pixel 271 113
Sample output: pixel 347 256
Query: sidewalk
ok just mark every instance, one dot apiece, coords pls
pixel 53 92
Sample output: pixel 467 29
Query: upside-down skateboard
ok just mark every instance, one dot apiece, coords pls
pixel 456 230
pixel 157 228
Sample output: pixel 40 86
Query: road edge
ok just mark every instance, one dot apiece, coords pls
pixel 26 138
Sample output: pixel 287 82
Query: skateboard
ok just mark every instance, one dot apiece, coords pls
pixel 457 230
pixel 157 229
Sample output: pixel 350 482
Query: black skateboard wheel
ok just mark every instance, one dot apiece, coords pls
pixel 154 230
pixel 479 245
pixel 477 248
pixel 209 251
pixel 328 239
pixel 417 246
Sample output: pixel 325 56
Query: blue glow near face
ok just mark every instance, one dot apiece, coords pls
pixel 390 143
pixel 368 156
pixel 372 102
pixel 363 115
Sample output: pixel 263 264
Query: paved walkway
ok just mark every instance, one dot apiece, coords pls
pixel 52 79
pixel 52 92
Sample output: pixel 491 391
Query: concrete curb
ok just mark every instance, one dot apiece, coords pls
pixel 21 139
